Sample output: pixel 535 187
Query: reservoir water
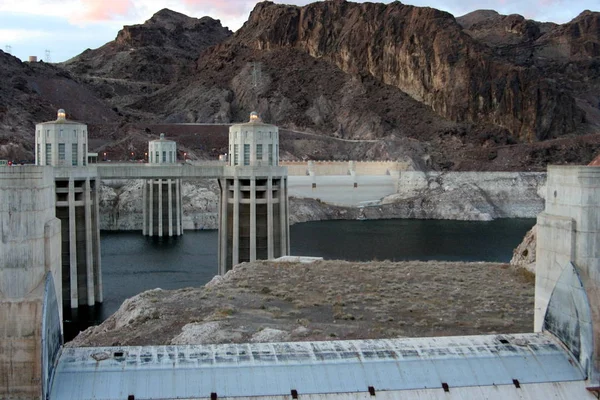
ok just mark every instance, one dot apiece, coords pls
pixel 133 263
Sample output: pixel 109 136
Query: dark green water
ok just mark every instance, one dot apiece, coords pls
pixel 132 263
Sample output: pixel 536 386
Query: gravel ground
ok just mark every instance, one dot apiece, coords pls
pixel 275 301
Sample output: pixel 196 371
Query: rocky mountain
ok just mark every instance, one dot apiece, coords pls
pixel 33 92
pixel 359 80
pixel 146 57
pixel 427 54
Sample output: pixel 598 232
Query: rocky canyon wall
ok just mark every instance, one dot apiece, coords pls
pixel 472 196
pixel 425 53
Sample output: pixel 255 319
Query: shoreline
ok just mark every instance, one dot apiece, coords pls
pixel 279 301
pixel 467 196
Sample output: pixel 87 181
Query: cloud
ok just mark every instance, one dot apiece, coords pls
pixel 233 8
pixel 17 35
pixel 103 10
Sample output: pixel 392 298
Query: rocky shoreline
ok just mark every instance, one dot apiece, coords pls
pixel 473 196
pixel 280 301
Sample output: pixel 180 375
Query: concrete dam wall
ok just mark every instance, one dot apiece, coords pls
pixel 340 168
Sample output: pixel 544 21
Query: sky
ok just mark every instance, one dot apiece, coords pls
pixel 56 30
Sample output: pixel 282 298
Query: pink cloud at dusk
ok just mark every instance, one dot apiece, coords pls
pixel 105 10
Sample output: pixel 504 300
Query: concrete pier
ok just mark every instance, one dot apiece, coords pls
pixel 77 206
pixel 254 223
pixel 567 295
pixel 162 197
pixel 30 282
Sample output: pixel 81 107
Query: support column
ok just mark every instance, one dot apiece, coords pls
pixel 282 218
pixel 160 209
pixel 145 205
pixel 270 217
pixel 253 219
pixel 223 227
pixel 170 201
pixel 89 245
pixel 72 247
pixel 178 205
pixel 287 217
pixel 98 264
pixel 151 208
pixel 235 259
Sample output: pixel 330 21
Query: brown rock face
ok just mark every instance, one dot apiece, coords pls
pixel 496 30
pixel 158 51
pixel 425 53
pixel 33 92
pixel 578 39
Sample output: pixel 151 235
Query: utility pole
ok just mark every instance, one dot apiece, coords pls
pixel 48 59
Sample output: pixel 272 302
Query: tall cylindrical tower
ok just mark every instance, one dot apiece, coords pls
pixel 162 197
pixel 254 200
pixel 63 145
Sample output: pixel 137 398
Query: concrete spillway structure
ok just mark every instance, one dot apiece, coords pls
pixel 567 295
pixel 63 144
pixel 30 282
pixel 162 197
pixel 254 212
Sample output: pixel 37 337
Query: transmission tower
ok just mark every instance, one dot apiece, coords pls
pixel 48 58
pixel 8 49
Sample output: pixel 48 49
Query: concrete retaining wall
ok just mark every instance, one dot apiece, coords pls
pixel 330 168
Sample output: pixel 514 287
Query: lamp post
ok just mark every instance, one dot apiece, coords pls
pixel 104 156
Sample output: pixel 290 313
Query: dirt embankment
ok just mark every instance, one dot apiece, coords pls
pixel 276 301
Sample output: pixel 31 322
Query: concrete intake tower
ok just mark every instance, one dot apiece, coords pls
pixel 162 197
pixel 254 200
pixel 63 144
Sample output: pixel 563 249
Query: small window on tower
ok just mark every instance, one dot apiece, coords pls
pixel 48 154
pixel 246 154
pixel 74 154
